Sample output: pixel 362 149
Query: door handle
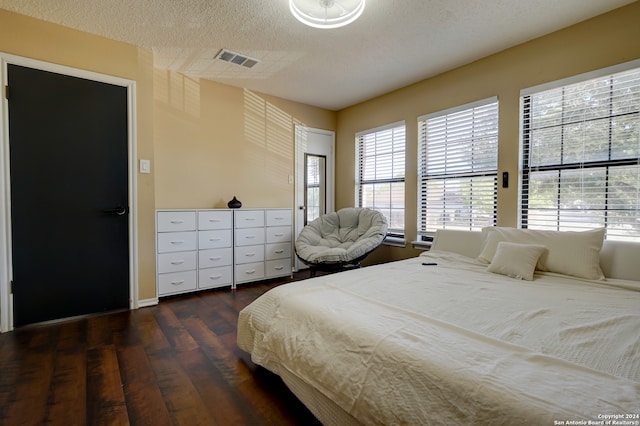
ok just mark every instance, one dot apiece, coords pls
pixel 118 211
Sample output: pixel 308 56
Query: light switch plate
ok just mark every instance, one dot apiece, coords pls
pixel 145 166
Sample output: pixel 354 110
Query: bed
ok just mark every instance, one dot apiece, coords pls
pixel 462 334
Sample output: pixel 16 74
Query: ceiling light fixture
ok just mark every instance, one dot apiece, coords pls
pixel 326 13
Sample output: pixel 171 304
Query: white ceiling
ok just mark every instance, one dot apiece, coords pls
pixel 393 44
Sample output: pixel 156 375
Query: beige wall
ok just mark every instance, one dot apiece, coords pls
pixel 208 141
pixel 214 141
pixel 34 39
pixel 606 40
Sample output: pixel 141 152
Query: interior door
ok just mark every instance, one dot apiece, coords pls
pixel 314 183
pixel 68 144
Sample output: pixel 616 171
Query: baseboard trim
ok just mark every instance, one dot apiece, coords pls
pixel 147 302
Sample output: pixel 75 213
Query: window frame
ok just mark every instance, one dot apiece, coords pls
pixel 525 168
pixel 394 236
pixel 424 233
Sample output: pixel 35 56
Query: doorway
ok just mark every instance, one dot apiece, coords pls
pixel 314 184
pixel 69 190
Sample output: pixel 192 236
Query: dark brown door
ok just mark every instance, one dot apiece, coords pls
pixel 69 195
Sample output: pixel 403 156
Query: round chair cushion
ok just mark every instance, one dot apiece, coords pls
pixel 341 237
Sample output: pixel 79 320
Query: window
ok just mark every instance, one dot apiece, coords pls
pixel 458 168
pixel 581 156
pixel 380 165
pixel 315 183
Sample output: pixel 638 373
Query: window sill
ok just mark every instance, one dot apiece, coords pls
pixel 422 245
pixel 394 242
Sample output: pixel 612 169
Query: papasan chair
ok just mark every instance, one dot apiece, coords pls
pixel 340 240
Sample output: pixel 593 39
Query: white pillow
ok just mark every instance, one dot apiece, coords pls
pixel 516 260
pixel 568 252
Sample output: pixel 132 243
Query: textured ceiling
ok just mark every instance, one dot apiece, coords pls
pixel 393 44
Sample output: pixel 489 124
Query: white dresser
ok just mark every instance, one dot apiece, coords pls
pixel 215 248
pixel 177 247
pixel 249 245
pixel 263 241
pixel 208 248
pixel 279 243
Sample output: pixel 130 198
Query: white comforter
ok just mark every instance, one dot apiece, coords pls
pixel 403 343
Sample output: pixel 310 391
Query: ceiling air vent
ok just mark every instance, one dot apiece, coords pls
pixel 236 58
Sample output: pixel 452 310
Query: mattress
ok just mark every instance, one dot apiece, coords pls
pixel 407 343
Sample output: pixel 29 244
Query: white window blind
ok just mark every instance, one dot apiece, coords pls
pixel 381 168
pixel 581 156
pixel 457 168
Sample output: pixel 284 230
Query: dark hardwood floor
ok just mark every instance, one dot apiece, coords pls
pixel 174 363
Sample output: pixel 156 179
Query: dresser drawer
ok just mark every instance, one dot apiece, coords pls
pixel 278 217
pixel 278 251
pixel 176 261
pixel 278 268
pixel 215 257
pixel 214 239
pixel 278 234
pixel 215 277
pixel 250 272
pixel 176 241
pixel 172 221
pixel 248 254
pixel 215 220
pixel 176 282
pixel 249 218
pixel 249 236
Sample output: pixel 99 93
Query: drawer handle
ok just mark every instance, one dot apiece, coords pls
pixel 177 262
pixel 214 220
pixel 279 251
pixel 250 272
pixel 215 239
pixel 215 277
pixel 249 218
pixel 177 221
pixel 279 268
pixel 249 254
pixel 250 237
pixel 215 258
pixel 279 218
pixel 278 235
pixel 177 242
pixel 177 282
